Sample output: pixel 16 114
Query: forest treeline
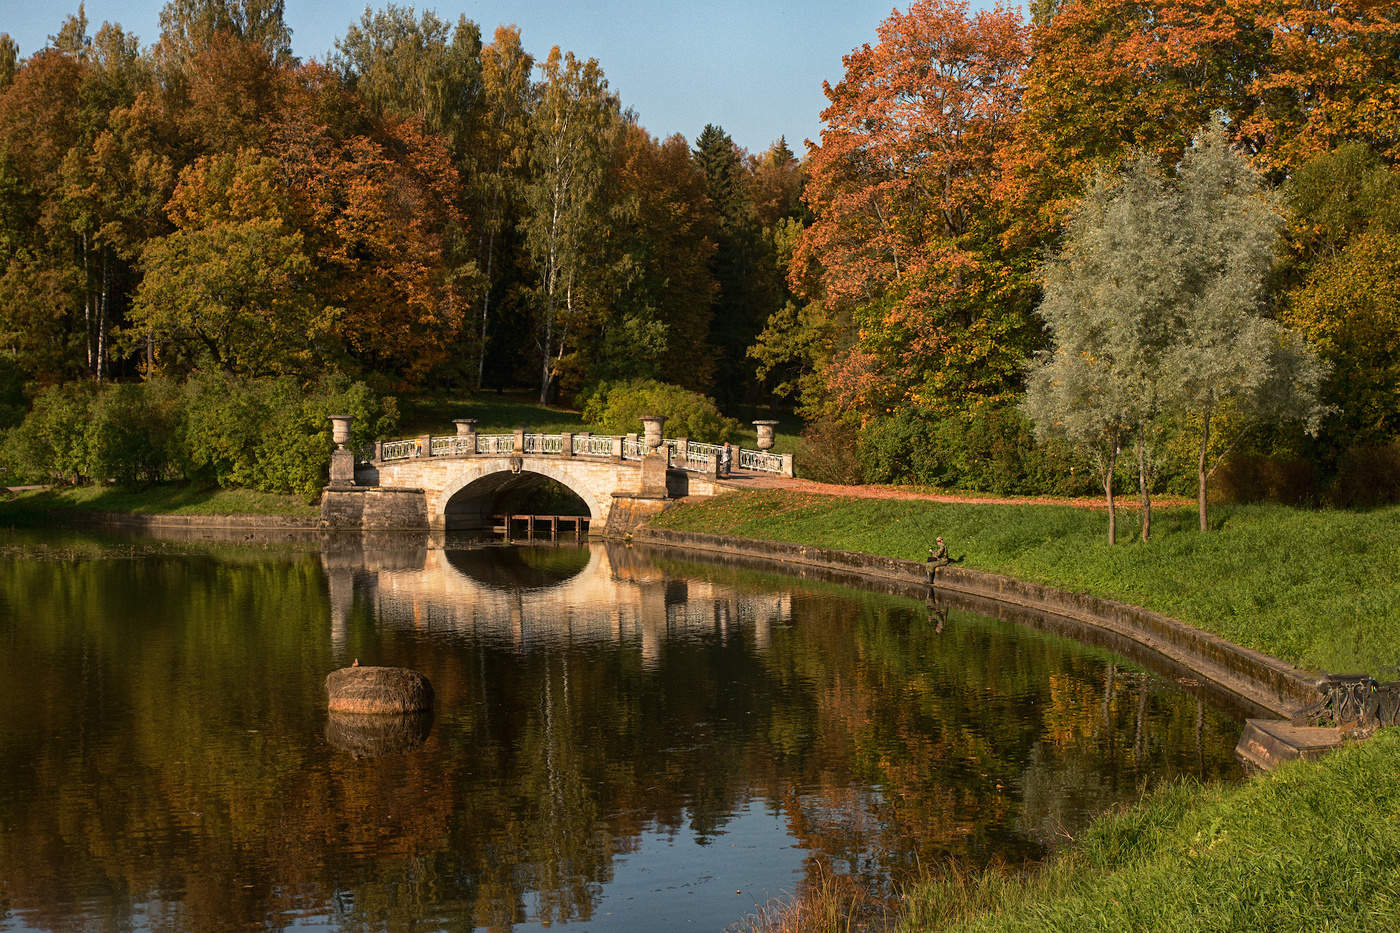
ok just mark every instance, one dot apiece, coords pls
pixel 955 158
pixel 423 210
pixel 428 210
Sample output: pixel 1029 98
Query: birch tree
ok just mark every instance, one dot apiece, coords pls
pixel 502 161
pixel 569 138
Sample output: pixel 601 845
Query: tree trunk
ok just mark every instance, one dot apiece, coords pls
pixel 1108 495
pixel 102 316
pixel 1201 474
pixel 544 358
pixel 485 313
pixel 1143 491
pixel 89 312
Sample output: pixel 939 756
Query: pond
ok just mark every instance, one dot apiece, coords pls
pixel 622 740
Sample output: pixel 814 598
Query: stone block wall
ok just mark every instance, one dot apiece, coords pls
pixel 374 508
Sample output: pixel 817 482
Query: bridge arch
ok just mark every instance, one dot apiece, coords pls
pixel 473 504
pixel 469 486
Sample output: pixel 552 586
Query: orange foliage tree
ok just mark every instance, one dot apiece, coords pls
pixel 379 210
pixel 899 191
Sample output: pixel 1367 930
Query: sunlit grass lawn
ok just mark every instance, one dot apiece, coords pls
pixel 1320 589
pixel 495 414
pixel 160 499
pixel 1313 846
pixel 501 414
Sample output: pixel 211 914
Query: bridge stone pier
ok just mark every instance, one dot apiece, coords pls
pixel 454 482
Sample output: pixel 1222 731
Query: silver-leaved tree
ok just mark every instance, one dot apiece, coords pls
pixel 1154 309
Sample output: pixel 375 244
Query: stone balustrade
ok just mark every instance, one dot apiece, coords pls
pixel 682 453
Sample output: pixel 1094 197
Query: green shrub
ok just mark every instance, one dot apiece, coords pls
pixel 53 444
pixel 273 435
pixel 132 431
pixel 991 448
pixel 618 407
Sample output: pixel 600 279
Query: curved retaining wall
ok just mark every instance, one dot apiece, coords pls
pixel 141 522
pixel 1254 678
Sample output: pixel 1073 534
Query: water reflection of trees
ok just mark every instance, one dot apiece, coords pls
pixel 162 721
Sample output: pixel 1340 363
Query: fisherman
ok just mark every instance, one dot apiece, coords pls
pixel 937 558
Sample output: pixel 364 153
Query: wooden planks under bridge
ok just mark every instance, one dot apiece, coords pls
pixel 540 526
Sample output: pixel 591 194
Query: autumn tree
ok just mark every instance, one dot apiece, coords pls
pixel 898 190
pixel 775 184
pixel 42 286
pixel 230 287
pixel 377 201
pixel 1329 78
pixel 570 126
pixel 1341 289
pixel 1110 78
pixel 9 59
pixel 58 118
pixel 498 185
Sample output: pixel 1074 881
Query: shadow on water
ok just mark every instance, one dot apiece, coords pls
pixel 520 567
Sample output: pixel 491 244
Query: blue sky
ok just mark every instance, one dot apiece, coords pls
pixel 755 67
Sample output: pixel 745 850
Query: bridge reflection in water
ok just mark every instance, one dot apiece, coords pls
pixel 528 596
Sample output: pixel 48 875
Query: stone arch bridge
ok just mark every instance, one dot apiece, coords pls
pixel 451 482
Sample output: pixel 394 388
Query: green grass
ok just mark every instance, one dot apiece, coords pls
pixel 495 414
pixel 1320 589
pixel 1312 846
pixel 154 500
pixel 501 414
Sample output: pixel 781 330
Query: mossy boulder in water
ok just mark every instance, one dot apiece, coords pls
pixel 378 690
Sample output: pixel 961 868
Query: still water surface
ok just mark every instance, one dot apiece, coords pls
pixel 622 741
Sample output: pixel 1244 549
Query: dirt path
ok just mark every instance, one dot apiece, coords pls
pixel 746 479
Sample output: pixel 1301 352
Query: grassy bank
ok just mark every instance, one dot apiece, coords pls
pixel 1319 589
pixel 31 505
pixel 1313 846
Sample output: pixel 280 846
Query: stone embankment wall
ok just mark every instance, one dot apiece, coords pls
pixel 137 522
pixel 373 508
pixel 1257 681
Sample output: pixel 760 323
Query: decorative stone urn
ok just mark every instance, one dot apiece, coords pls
pixel 465 426
pixel 651 427
pixel 342 460
pixel 765 434
pixel 340 429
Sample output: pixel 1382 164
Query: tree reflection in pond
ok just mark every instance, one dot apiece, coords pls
pixel 165 760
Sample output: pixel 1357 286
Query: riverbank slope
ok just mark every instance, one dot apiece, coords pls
pixel 1313 845
pixel 1318 589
